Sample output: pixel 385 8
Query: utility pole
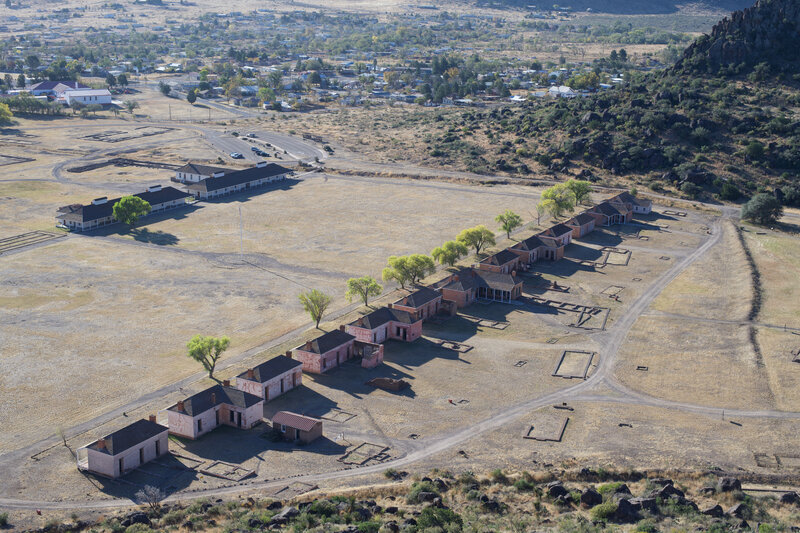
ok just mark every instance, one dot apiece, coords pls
pixel 241 236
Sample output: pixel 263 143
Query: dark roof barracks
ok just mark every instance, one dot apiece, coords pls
pixel 218 394
pixel 271 368
pixel 128 437
pixel 100 211
pixel 237 180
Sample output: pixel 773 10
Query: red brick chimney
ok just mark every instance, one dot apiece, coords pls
pixel 152 418
pixel 389 306
pixel 180 405
pixel 341 328
pixel 361 322
pixel 226 383
pixel 455 277
pixel 251 374
pixel 101 444
pixel 289 354
pixel 308 346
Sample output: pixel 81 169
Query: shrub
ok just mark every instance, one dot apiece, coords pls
pixel 368 527
pixel 420 486
pixel 609 488
pixel 322 508
pixel 762 208
pixel 499 477
pixel 445 519
pixel 3 519
pixel 690 189
pixel 646 526
pixel 390 473
pixel 523 485
pixel 729 192
pixel 603 512
pixel 173 518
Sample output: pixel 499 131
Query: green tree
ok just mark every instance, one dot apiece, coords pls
pixel 363 288
pixel 164 88
pixel 129 208
pixel 111 80
pixel 21 81
pixel 275 79
pixel 557 199
pixel 408 269
pixel 315 303
pixel 191 96
pixel 478 237
pixel 5 114
pixel 449 252
pixel 762 209
pixel 122 79
pixel 32 61
pixel 207 350
pixel 580 189
pixel 130 105
pixel 509 221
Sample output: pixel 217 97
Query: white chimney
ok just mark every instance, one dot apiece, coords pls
pixel 154 188
pixel 217 174
pixel 99 201
pixel 261 164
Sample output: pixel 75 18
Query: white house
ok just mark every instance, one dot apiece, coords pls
pixel 562 91
pixel 122 451
pixel 87 97
pixel 193 172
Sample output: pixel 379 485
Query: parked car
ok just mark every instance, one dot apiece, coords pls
pixel 251 135
pixel 255 149
pixel 237 155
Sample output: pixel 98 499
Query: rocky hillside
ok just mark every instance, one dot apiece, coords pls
pixel 767 32
pixel 589 501
pixel 621 7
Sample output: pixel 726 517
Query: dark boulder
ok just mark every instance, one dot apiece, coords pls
pixel 391 509
pixel 729 484
pixel 590 498
pixel 790 498
pixel 625 512
pixel 556 489
pixel 591 116
pixel 285 515
pixel 425 496
pixel 274 506
pixel 740 510
pixel 440 484
pixel 713 510
pixel 137 517
pixel 646 504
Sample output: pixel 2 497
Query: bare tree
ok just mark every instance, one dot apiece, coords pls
pixel 150 496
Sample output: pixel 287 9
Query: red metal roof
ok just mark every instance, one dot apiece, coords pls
pixel 293 420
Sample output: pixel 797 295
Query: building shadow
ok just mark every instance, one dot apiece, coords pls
pixel 166 473
pixel 581 252
pixel 246 194
pixel 216 445
pixel 320 446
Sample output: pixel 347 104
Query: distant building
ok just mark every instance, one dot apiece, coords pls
pixel 326 351
pixel 503 262
pixel 271 378
pixel 219 405
pixel 386 323
pixel 124 450
pixel 641 206
pixel 238 181
pixel 100 212
pixel 194 172
pixel 423 302
pixel 87 97
pixel 55 88
pixel 581 225
pixel 469 285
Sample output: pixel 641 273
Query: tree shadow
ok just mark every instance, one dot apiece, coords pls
pixel 159 237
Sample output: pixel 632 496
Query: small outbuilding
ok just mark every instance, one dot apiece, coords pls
pixel 581 225
pixel 423 302
pixel 294 427
pixel 126 449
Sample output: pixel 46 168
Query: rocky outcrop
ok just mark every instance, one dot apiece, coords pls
pixel 769 31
